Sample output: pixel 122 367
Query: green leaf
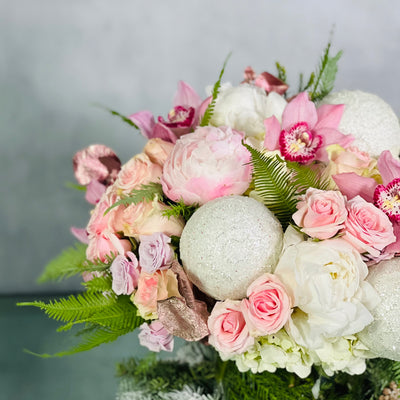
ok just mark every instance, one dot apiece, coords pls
pixel 180 209
pixel 210 109
pixel 117 114
pixel 69 263
pixel 99 284
pixel 146 193
pixel 281 72
pixel 72 185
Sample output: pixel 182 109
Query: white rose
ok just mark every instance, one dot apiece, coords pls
pixel 245 108
pixel 326 282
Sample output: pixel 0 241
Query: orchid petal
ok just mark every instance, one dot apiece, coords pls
pixel 81 234
pixel 94 191
pixel 395 246
pixel 351 185
pixel 329 116
pixel 388 166
pixel 272 132
pixel 300 109
pixel 186 96
pixel 164 133
pixel 145 121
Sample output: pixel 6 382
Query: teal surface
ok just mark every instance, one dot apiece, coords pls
pixel 89 375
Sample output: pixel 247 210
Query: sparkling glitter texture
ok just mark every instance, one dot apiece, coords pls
pixel 383 335
pixel 228 243
pixel 369 119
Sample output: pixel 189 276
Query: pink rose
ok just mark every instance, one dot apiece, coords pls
pixel 125 274
pixel 321 213
pixel 104 245
pixel 268 306
pixel 367 227
pixel 206 164
pixel 228 330
pixel 153 287
pixel 158 150
pixel 138 171
pixel 155 252
pixel 155 337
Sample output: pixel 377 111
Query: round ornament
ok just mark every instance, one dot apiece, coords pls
pixel 382 335
pixel 369 119
pixel 228 243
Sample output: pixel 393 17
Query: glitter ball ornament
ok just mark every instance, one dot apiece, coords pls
pixel 369 119
pixel 228 243
pixel 382 335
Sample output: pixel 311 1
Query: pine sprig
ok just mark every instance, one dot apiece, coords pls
pixel 69 263
pixel 146 193
pixel 210 108
pixel 180 209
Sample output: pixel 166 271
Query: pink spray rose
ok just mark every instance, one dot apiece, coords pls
pixel 321 213
pixel 153 287
pixel 155 252
pixel 138 171
pixel 268 306
pixel 158 150
pixel 367 227
pixel 206 164
pixel 228 330
pixel 155 337
pixel 125 274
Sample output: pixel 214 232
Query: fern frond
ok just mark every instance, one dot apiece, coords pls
pixel 180 209
pixel 117 114
pixel 99 284
pixel 146 193
pixel 396 371
pixel 272 184
pixel 210 109
pixel 69 263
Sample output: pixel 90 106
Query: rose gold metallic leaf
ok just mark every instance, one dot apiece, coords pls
pixel 181 320
pixel 184 284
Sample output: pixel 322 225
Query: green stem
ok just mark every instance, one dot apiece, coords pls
pixel 219 376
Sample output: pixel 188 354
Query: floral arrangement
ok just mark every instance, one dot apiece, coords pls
pixel 262 225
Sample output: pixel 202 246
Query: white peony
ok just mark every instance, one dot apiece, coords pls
pixel 327 283
pixel 245 108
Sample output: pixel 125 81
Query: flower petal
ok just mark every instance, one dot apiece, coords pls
pixel 81 234
pixel 351 185
pixel 329 116
pixel 145 121
pixel 94 191
pixel 186 96
pixel 272 132
pixel 300 109
pixel 163 132
pixel 388 166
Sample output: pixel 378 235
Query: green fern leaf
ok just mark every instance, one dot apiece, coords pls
pixel 146 193
pixel 396 371
pixel 69 263
pixel 99 284
pixel 72 185
pixel 117 114
pixel 180 209
pixel 210 109
pixel 281 72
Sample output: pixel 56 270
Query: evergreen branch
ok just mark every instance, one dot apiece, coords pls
pixel 117 114
pixel 281 72
pixel 210 108
pixel 146 193
pixel 69 263
pixel 99 284
pixel 180 209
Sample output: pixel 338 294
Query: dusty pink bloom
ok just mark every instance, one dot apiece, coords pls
pixel 158 150
pixel 268 306
pixel 125 273
pixel 138 171
pixel 206 164
pixel 321 213
pixel 367 228
pixel 305 131
pixel 228 330
pixel 155 252
pixel 155 337
pixel 96 163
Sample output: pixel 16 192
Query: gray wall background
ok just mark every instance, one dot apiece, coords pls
pixel 59 57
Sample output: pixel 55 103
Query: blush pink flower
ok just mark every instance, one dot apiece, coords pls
pixel 158 150
pixel 125 274
pixel 155 337
pixel 305 131
pixel 321 213
pixel 268 306
pixel 228 330
pixel 105 245
pixel 155 252
pixel 206 164
pixel 367 228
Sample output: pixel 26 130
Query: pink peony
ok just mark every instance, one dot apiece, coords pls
pixel 321 213
pixel 155 337
pixel 158 150
pixel 138 171
pixel 206 164
pixel 153 287
pixel 155 252
pixel 228 330
pixel 125 274
pixel 268 306
pixel 367 228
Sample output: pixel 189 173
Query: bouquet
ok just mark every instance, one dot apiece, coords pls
pixel 260 226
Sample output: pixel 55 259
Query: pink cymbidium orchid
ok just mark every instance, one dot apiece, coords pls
pixel 184 116
pixel 385 196
pixel 305 131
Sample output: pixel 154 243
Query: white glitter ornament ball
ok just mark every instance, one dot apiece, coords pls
pixel 369 119
pixel 228 243
pixel 382 336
